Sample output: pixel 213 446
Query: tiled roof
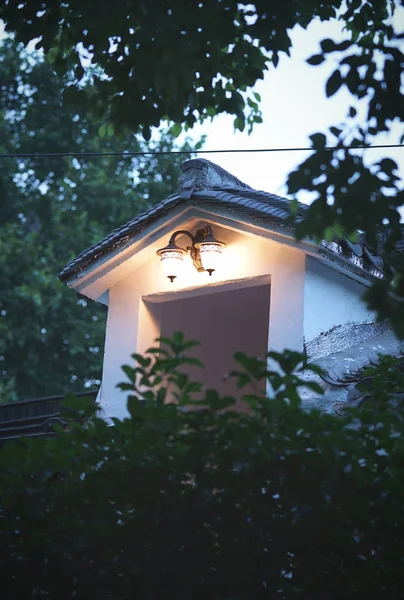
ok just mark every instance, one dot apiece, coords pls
pixel 118 237
pixel 344 353
pixel 35 417
pixel 205 184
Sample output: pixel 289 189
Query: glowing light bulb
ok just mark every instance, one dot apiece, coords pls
pixel 211 255
pixel 171 262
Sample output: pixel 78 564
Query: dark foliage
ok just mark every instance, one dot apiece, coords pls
pixel 194 500
pixel 50 210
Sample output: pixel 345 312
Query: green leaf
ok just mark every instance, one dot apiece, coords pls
pixel 316 387
pixel 316 59
pixel 333 84
pixel 79 72
pixel 319 140
pixel 217 402
pixel 144 361
pixel 336 131
pixel 146 132
pixel 328 45
pixel 294 207
pixel 176 129
pixel 239 124
pixel 353 237
pixel 125 387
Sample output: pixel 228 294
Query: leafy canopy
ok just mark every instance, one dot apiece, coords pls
pixel 52 208
pixel 153 60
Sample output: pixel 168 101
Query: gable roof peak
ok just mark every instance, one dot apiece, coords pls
pixel 202 174
pixel 206 184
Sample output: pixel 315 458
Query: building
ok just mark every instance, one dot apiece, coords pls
pixel 35 417
pixel 267 291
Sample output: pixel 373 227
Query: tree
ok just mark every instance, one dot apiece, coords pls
pixel 52 208
pixel 204 54
pixel 207 56
pixel 210 503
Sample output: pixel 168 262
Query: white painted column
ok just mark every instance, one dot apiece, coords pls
pixel 120 342
pixel 132 326
pixel 287 302
pixel 150 315
pixel 286 309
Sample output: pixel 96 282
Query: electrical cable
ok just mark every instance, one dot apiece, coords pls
pixel 125 154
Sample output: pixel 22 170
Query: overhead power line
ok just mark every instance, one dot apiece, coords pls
pixel 125 154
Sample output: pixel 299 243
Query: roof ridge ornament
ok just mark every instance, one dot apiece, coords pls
pixel 202 174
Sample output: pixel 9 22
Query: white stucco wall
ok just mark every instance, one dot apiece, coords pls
pixel 331 299
pixel 135 310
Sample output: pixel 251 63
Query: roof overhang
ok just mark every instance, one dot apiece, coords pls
pixel 95 279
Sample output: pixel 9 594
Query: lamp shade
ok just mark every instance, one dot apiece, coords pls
pixel 211 255
pixel 171 262
pixel 171 259
pixel 210 250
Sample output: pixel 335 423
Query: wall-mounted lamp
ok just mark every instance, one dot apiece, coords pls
pixel 205 252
